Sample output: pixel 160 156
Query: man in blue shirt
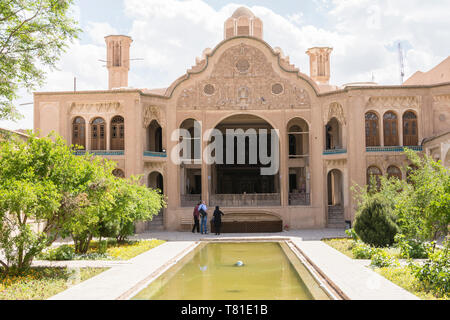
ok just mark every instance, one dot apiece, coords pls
pixel 204 218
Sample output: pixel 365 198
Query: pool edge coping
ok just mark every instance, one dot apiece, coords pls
pixel 334 294
pixel 133 291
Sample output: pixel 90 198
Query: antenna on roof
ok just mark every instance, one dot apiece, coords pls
pixel 401 61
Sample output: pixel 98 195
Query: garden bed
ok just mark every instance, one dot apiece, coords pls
pixel 42 283
pixel 401 274
pixel 113 251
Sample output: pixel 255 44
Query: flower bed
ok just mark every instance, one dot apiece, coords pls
pixel 42 283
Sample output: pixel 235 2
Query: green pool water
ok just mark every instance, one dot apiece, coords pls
pixel 270 272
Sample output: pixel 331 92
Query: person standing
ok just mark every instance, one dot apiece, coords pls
pixel 217 220
pixel 202 209
pixel 196 218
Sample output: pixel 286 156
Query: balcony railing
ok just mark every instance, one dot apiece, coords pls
pixel 190 200
pixel 155 154
pixel 393 149
pixel 245 200
pixel 100 152
pixel 334 151
pixel 299 199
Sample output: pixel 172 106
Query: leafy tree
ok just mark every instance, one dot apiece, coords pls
pixel 420 205
pixel 33 34
pixel 423 208
pixel 22 202
pixel 132 202
pixel 41 180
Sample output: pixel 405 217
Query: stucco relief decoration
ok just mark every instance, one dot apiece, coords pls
pixel 153 113
pixel 441 112
pixel 243 77
pixel 155 166
pixel 336 111
pixel 393 102
pixel 335 164
pixel 96 107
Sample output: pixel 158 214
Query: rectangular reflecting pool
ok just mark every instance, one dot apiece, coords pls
pixel 270 271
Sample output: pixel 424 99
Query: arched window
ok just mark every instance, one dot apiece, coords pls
pixel 118 173
pixel 98 135
pixel 154 137
pixel 79 132
pixel 390 125
pixel 394 171
pixel 298 135
pixel 193 141
pixel 333 135
pixel 410 132
pixel 117 133
pixel 374 172
pixel 372 131
pixel 155 181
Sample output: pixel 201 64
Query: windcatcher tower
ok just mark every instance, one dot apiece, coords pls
pixel 319 63
pixel 243 23
pixel 118 60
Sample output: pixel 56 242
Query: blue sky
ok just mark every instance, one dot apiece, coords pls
pixel 170 34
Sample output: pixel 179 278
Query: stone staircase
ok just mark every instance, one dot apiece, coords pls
pixel 336 218
pixel 157 224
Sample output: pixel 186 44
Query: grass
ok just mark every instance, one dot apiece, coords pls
pixel 342 245
pixel 131 249
pixel 401 276
pixel 41 283
pixel 346 245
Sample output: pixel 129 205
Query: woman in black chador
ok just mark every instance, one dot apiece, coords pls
pixel 217 219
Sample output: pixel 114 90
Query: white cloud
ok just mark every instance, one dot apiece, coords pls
pixel 97 31
pixel 296 18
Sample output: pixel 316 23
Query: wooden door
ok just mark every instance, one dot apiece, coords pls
pixel 390 129
pixel 98 134
pixel 372 130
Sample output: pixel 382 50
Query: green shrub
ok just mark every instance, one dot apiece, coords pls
pixel 102 246
pixel 374 223
pixel 382 259
pixel 352 233
pixel 434 274
pixel 411 249
pixel 63 252
pixel 363 251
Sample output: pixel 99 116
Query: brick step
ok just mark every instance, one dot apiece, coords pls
pixel 335 214
pixel 336 226
pixel 157 223
pixel 336 217
pixel 341 217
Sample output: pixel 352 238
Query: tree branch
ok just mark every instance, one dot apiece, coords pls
pixel 20 26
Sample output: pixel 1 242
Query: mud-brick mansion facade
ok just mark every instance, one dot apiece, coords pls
pixel 329 137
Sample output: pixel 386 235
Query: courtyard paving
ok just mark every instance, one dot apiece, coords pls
pixel 305 235
pixel 125 278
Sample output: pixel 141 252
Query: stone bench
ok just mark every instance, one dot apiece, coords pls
pixel 187 223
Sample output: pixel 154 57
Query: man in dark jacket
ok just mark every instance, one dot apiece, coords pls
pixel 196 219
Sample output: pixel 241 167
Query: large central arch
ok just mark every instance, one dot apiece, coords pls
pixel 239 183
